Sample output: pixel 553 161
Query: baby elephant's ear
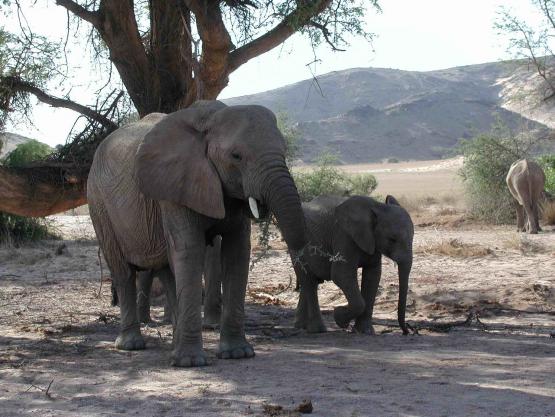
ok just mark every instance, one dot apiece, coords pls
pixel 172 164
pixel 391 200
pixel 356 218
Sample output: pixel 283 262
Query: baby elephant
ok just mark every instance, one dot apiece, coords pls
pixel 345 234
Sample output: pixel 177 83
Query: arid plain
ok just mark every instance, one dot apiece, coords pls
pixel 481 296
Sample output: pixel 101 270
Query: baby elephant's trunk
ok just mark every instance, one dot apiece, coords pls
pixel 404 272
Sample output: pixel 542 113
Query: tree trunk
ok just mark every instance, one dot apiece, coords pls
pixel 22 194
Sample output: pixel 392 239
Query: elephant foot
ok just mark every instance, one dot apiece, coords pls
pixel 342 316
pixel 364 327
pixel 130 340
pixel 235 348
pixel 188 358
pixel 300 321
pixel 316 326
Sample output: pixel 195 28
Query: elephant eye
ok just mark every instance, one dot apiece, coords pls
pixel 237 156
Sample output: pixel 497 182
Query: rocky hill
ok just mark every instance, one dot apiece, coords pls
pixel 370 114
pixel 9 141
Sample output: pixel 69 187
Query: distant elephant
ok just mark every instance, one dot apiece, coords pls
pixel 526 182
pixel 345 234
pixel 160 188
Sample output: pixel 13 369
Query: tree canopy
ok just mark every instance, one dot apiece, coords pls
pixel 166 54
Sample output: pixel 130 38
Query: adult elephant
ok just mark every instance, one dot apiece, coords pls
pixel 346 234
pixel 159 189
pixel 526 182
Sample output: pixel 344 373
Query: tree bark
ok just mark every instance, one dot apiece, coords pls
pixel 21 194
pixel 163 73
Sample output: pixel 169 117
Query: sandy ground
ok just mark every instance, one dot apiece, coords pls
pixel 57 356
pixel 482 298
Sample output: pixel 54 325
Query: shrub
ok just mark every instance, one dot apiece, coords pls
pixel 15 230
pixel 393 160
pixel 328 179
pixel 27 152
pixel 547 162
pixel 291 135
pixel 487 159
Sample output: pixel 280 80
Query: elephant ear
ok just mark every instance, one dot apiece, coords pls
pixel 172 162
pixel 392 201
pixel 356 218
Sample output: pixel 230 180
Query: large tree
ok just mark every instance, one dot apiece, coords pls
pixel 533 40
pixel 167 53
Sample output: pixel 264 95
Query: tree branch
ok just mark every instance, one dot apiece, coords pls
pixel 18 85
pixel 300 17
pixel 79 11
pixel 23 194
pixel 325 31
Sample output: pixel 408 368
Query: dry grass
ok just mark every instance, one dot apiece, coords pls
pixel 524 244
pixel 548 212
pixel 454 248
pixel 443 205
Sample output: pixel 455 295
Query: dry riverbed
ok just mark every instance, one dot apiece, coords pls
pixel 482 297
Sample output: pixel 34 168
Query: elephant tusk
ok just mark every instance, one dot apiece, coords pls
pixel 254 207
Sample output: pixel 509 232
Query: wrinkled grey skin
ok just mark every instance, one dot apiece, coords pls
pixel 159 189
pixel 212 294
pixel 356 231
pixel 526 182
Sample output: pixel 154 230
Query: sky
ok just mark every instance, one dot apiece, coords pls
pixel 419 35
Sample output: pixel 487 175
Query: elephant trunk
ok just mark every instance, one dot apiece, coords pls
pixel 280 194
pixel 404 272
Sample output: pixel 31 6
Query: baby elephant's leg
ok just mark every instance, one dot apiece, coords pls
pixel 345 277
pixel 144 284
pixel 371 276
pixel 308 314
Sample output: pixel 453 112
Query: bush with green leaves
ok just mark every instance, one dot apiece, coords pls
pixel 487 159
pixel 291 135
pixel 547 162
pixel 26 153
pixel 15 230
pixel 326 178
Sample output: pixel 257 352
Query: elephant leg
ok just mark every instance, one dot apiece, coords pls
pixel 535 211
pixel 130 334
pixel 532 229
pixel 520 218
pixel 308 315
pixel 344 275
pixel 144 284
pixel 165 275
pixel 184 235
pixel 123 279
pixel 213 285
pixel 371 276
pixel 235 264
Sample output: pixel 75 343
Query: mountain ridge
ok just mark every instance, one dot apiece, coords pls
pixel 370 114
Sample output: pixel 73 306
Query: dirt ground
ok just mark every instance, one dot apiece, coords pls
pixel 482 298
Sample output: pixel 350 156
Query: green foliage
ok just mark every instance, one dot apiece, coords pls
pixel 15 230
pixel 292 136
pixel 547 162
pixel 487 159
pixel 328 179
pixel 27 152
pixel 29 57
